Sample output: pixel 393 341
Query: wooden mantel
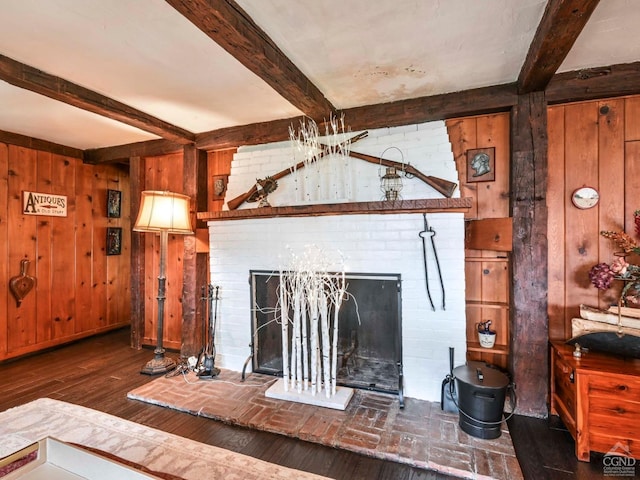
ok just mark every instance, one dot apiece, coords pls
pixel 430 205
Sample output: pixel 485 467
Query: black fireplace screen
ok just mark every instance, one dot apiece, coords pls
pixel 369 330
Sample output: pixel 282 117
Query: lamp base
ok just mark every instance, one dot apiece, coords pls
pixel 160 364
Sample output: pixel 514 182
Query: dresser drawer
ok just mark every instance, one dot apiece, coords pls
pixel 622 387
pixel 564 385
pixel 614 408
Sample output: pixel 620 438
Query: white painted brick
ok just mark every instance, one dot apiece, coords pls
pixel 367 243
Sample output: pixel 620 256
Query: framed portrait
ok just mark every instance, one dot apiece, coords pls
pixel 481 165
pixel 219 186
pixel 114 203
pixel 114 240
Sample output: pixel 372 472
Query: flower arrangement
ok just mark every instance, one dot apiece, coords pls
pixel 602 275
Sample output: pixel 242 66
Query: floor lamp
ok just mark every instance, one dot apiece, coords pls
pixel 162 213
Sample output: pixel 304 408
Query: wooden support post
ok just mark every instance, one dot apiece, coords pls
pixel 193 160
pixel 530 322
pixel 136 175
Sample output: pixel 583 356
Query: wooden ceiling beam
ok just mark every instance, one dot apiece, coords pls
pixel 588 84
pixel 477 101
pixel 251 134
pixel 230 27
pixel 38 144
pixel 561 23
pixel 122 153
pixel 417 110
pixel 32 79
pixel 593 83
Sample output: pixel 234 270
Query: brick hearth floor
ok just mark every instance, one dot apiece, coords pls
pixel 373 424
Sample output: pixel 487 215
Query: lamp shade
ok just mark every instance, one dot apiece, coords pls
pixel 163 211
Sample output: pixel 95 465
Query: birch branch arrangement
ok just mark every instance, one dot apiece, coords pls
pixel 309 300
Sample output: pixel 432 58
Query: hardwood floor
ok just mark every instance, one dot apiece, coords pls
pixel 98 372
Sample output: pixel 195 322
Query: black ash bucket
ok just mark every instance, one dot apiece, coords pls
pixel 481 392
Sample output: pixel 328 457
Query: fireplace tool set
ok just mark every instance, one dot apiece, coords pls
pixel 205 367
pixel 431 233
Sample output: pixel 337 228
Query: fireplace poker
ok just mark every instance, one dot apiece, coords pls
pixel 204 297
pixel 210 370
pixel 432 233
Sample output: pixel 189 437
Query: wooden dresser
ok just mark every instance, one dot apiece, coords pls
pixel 597 397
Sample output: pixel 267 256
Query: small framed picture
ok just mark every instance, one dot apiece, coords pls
pixel 219 186
pixel 114 240
pixel 114 202
pixel 481 165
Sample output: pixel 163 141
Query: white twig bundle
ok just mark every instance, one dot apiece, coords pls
pixel 315 295
pixel 333 181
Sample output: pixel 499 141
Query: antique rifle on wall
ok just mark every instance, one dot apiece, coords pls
pixel 445 187
pixel 240 199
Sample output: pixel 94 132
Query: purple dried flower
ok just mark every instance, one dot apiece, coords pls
pixel 601 276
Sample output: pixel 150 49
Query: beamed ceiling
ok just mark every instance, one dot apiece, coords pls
pixel 109 79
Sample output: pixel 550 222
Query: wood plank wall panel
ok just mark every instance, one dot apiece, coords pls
pixel 118 272
pixel 4 246
pixel 218 163
pixel 631 119
pixel 22 323
pixel 193 161
pixel 595 144
pixel 43 266
pixel 164 173
pixel 493 197
pixel 611 175
pixel 462 135
pixel 581 169
pixel 556 189
pixel 631 191
pixel 99 219
pixel 63 244
pixel 67 254
pixel 84 241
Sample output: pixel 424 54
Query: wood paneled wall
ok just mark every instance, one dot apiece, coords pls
pixel 80 290
pixel 166 173
pixel 594 144
pixel 487 271
pixel 163 173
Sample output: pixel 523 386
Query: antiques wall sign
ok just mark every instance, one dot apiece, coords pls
pixel 48 204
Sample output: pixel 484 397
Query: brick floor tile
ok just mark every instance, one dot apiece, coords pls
pixel 373 424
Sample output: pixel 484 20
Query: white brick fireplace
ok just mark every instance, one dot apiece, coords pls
pixel 368 243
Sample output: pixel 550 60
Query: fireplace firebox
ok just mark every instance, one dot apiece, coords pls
pixel 369 330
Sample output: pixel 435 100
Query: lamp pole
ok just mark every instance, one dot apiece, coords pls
pixel 162 213
pixel 160 363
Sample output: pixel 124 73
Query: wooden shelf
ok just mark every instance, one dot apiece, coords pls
pixel 497 349
pixel 430 205
pixel 486 259
pixel 478 304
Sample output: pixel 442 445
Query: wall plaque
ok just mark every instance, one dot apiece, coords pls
pixel 48 204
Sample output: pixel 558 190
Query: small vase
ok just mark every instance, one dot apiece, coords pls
pixel 487 339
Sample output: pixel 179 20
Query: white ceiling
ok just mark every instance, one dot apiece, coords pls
pixel 357 52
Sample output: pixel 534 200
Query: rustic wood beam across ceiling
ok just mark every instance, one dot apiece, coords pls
pixel 561 23
pixel 594 83
pixel 393 114
pixel 588 84
pixel 122 153
pixel 498 98
pixel 231 28
pixel 37 144
pixel 30 78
